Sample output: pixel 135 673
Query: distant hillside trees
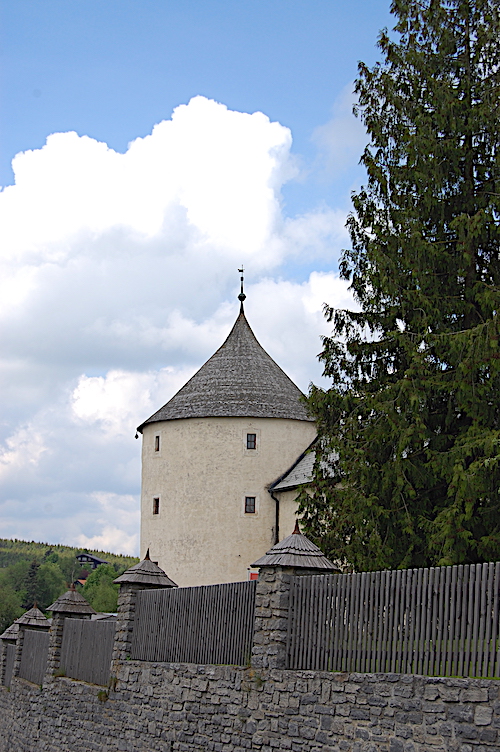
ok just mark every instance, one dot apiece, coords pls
pixel 99 590
pixel 10 606
pixel 37 573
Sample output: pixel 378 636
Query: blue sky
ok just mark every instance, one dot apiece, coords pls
pixel 112 69
pixel 119 262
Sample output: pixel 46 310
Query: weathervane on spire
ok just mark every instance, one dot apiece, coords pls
pixel 241 296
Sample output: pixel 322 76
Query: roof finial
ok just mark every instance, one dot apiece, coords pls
pixel 147 556
pixel 296 530
pixel 241 296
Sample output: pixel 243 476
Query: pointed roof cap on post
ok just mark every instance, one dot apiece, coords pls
pixel 296 551
pixel 239 380
pixel 11 632
pixel 34 618
pixel 71 602
pixel 146 572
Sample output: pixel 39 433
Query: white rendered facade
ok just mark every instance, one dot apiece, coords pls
pixel 201 471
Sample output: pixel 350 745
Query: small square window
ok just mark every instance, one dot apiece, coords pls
pixel 156 505
pixel 249 504
pixel 157 443
pixel 251 441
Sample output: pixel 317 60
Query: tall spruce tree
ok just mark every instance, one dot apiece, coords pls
pixel 408 456
pixel 31 585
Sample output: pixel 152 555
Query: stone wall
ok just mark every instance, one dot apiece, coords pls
pixel 162 707
pixel 158 707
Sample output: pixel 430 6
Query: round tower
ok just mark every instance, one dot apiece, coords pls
pixel 209 456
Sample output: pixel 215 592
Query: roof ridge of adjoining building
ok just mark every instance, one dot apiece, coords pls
pixel 292 467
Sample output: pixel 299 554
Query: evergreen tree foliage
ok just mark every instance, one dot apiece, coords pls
pixel 99 590
pixel 10 606
pixel 15 576
pixel 51 583
pixel 13 550
pixel 408 456
pixel 31 585
pixel 24 580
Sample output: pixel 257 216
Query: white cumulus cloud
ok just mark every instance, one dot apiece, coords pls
pixel 118 279
pixel 23 449
pixel 118 522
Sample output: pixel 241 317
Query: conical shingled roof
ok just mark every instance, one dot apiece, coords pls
pixel 11 632
pixel 296 551
pixel 239 380
pixel 71 602
pixel 146 572
pixel 34 618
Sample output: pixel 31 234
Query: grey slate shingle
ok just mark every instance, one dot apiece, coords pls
pixel 239 380
pixel 146 572
pixel 11 632
pixel 34 618
pixel 71 602
pixel 300 472
pixel 295 551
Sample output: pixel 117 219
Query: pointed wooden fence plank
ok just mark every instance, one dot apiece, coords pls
pixel 86 650
pixel 442 621
pixel 495 642
pixel 9 663
pixel 208 624
pixel 34 656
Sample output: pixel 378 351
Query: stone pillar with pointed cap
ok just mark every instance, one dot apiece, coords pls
pixel 145 575
pixel 32 619
pixel 70 605
pixel 293 556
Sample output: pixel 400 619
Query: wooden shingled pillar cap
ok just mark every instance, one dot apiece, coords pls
pixel 33 619
pixel 145 574
pixel 71 602
pixel 296 551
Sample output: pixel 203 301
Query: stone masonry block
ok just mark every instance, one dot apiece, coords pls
pixel 431 692
pixel 483 715
pixel 231 711
pixel 449 694
pixel 474 694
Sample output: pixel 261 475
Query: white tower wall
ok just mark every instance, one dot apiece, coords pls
pixel 201 474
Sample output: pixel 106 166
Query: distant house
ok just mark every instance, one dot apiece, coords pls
pixel 94 561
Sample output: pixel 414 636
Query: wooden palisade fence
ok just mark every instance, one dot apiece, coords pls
pixel 34 656
pixel 442 621
pixel 86 650
pixel 9 663
pixel 208 624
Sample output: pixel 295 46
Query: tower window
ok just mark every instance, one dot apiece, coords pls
pixel 156 505
pixel 251 441
pixel 157 443
pixel 249 504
